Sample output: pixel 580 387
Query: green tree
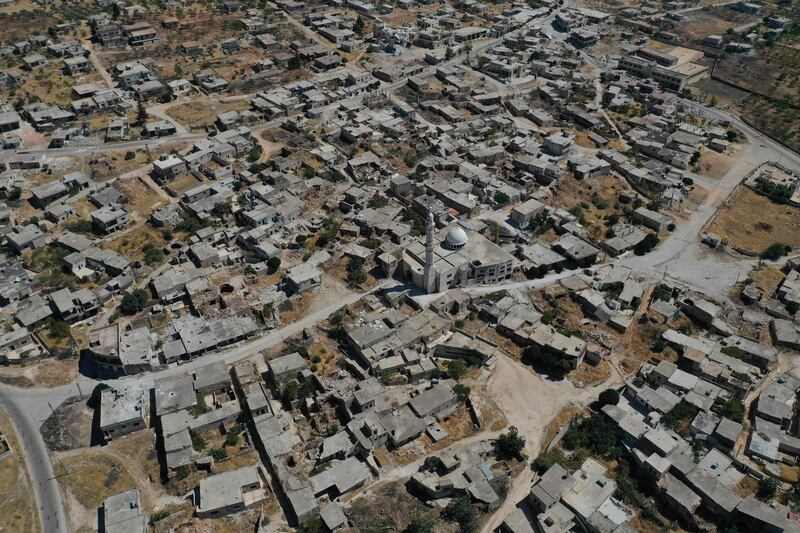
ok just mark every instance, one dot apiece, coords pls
pixel 218 454
pixel 15 193
pixel 134 302
pixel 198 442
pixel 462 392
pixel 80 226
pixel 732 409
pixel 509 445
pixel 358 25
pixel 433 463
pixel 59 329
pixel 646 245
pixel 775 251
pixel 273 264
pixel 461 511
pixel 501 198
pixel 609 397
pixel 456 368
pixel 221 209
pixel 355 271
pixel 152 254
pixel 767 488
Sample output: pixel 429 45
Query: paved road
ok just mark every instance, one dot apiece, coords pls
pixel 45 486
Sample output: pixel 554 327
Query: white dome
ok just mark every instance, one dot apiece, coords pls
pixel 456 237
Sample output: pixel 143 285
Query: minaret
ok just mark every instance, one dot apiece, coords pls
pixel 429 274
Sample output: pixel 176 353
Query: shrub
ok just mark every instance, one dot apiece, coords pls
pixel 198 442
pixel 218 454
pixel 129 156
pixel 421 524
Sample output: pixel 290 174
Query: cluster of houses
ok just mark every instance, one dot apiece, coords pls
pixel 681 424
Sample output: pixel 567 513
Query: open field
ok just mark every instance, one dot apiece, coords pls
pixel 752 222
pixel 771 71
pixel 17 503
pixel 778 119
pixel 196 115
pixel 711 21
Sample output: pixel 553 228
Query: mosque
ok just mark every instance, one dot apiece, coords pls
pixel 454 256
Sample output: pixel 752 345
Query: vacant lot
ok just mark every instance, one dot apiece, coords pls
pixel 141 198
pixel 17 504
pixel 196 115
pixel 88 480
pixel 773 72
pixel 711 21
pixel 69 427
pixel 752 222
pixel 778 119
pixel 45 373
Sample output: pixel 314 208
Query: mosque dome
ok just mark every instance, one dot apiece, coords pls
pixel 456 238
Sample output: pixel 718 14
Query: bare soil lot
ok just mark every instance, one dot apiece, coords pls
pixel 69 427
pixel 711 21
pixel 752 222
pixel 45 373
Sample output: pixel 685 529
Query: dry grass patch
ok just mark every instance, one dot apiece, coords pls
pixel 552 429
pixel 17 503
pixel 92 477
pixel 747 486
pixel 766 279
pixel 131 243
pixel 752 222
pixel 591 375
pixel 141 198
pixel 196 115
pixel 53 372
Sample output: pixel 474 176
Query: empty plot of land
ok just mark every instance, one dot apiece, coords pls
pixel 711 21
pixel 199 114
pixel 751 222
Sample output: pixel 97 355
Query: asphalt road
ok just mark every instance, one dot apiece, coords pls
pixel 45 486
